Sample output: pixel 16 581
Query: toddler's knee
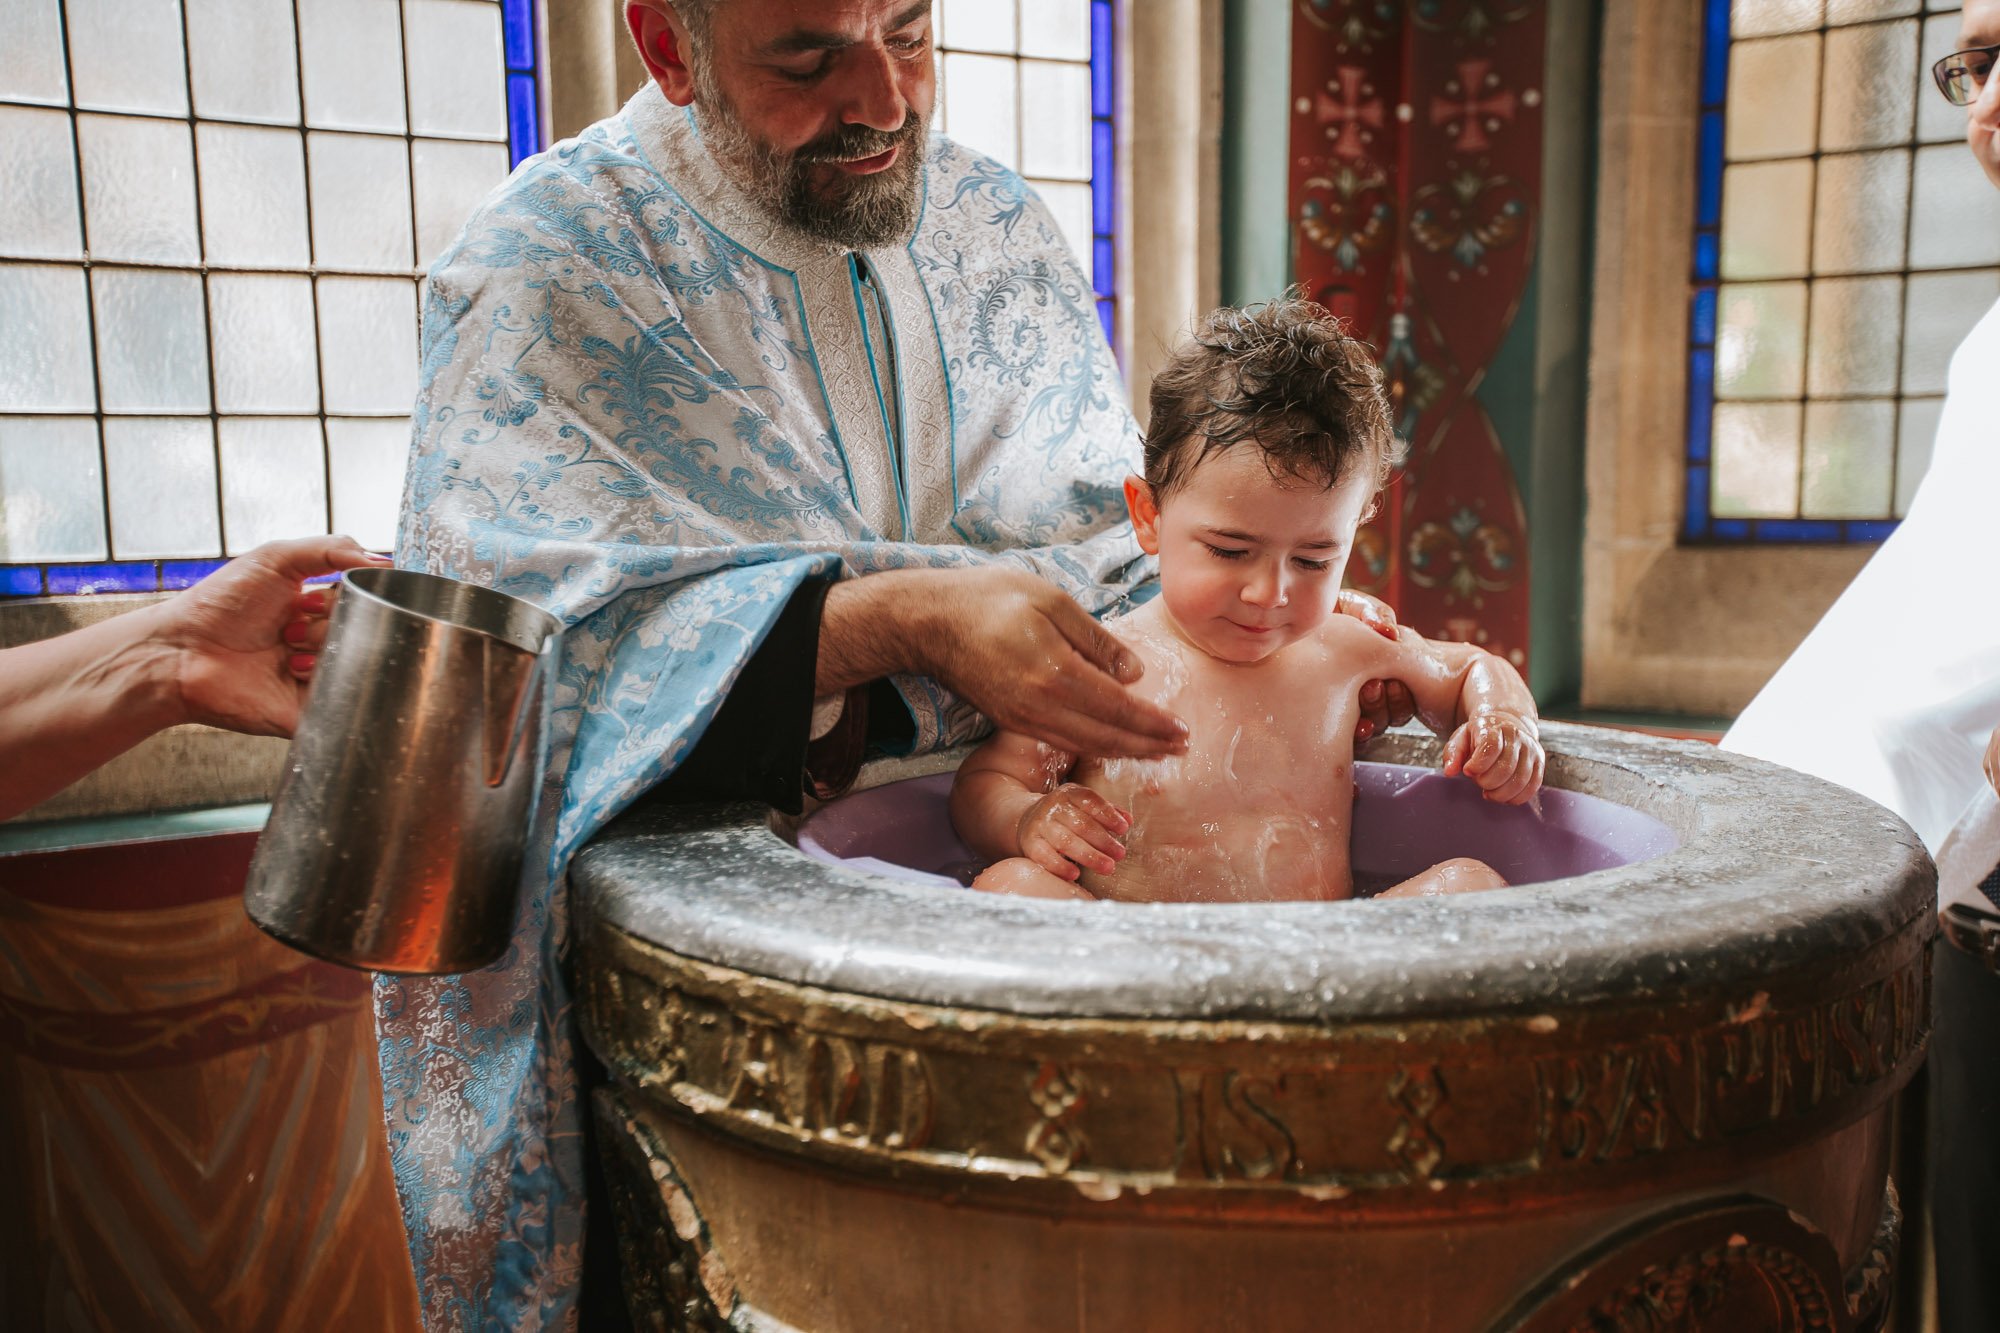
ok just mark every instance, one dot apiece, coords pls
pixel 1464 874
pixel 1023 878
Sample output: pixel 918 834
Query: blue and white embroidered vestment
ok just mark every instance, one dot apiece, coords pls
pixel 656 413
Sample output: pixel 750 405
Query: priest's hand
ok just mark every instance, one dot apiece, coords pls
pixel 1384 703
pixel 1013 646
pixel 1026 655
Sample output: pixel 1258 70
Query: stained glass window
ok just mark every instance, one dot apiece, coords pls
pixel 1844 243
pixel 212 238
pixel 1032 83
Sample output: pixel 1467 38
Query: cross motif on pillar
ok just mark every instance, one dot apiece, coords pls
pixel 1350 112
pixel 1474 114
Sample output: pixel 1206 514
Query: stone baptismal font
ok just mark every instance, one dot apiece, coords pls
pixel 1648 1090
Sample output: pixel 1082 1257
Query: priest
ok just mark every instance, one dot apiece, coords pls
pixel 803 421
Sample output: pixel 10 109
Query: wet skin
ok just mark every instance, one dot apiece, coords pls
pixel 1244 645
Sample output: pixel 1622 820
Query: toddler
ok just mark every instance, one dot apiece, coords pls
pixel 1268 443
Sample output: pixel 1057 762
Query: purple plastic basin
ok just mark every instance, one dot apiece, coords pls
pixel 1406 819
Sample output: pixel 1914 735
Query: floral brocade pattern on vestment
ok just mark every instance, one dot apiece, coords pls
pixel 659 428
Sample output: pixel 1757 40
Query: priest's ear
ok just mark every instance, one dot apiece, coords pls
pixel 662 37
pixel 1145 512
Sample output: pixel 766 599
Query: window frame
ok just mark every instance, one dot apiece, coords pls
pixel 524 111
pixel 1699 524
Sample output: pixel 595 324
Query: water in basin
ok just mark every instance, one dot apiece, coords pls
pixel 1406 819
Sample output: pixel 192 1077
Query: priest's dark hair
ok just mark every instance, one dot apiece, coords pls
pixel 1284 375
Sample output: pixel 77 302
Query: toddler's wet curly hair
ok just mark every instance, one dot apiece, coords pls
pixel 1283 375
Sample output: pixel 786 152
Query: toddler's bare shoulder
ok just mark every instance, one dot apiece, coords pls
pixel 1346 642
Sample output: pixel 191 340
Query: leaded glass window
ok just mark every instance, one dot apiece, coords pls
pixel 1032 84
pixel 1845 243
pixel 212 239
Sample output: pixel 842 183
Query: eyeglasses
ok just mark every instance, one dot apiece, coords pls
pixel 1962 74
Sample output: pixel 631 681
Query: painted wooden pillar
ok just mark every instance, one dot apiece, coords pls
pixel 1415 189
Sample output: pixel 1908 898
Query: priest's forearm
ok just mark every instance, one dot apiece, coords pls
pixel 874 626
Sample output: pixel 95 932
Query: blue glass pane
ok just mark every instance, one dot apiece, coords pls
pixel 1701 403
pixel 1872 531
pixel 1708 183
pixel 1101 51
pixel 517 18
pixel 524 132
pixel 1797 530
pixel 1730 530
pixel 140 576
pixel 187 573
pixel 1103 260
pixel 1103 181
pixel 1701 320
pixel 20 580
pixel 1715 53
pixel 1695 521
pixel 1107 315
pixel 1706 256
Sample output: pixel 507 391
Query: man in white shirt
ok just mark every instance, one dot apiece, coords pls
pixel 1896 694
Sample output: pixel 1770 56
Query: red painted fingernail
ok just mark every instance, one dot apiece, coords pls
pixel 303 662
pixel 295 633
pixel 313 601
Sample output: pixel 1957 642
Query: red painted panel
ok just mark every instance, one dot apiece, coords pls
pixel 1416 145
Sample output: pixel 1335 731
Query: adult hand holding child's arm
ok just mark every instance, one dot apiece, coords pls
pixel 1384 703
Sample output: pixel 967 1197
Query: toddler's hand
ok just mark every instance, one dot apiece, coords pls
pixel 1499 751
pixel 1073 829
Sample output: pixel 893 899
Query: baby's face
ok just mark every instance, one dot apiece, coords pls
pixel 1249 562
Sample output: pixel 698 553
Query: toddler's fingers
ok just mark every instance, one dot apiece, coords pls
pixel 1080 825
pixel 1048 858
pixel 1101 810
pixel 1080 851
pixel 1454 751
pixel 1484 751
pixel 1518 787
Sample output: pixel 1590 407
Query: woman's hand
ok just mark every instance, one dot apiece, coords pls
pixel 245 638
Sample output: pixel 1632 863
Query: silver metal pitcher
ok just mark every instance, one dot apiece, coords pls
pixel 396 836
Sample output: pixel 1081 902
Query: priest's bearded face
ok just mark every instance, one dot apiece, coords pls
pixel 817 108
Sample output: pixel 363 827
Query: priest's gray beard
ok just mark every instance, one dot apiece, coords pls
pixel 853 212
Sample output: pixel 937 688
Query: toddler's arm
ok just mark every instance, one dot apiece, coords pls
pixel 1483 708
pixel 1009 799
